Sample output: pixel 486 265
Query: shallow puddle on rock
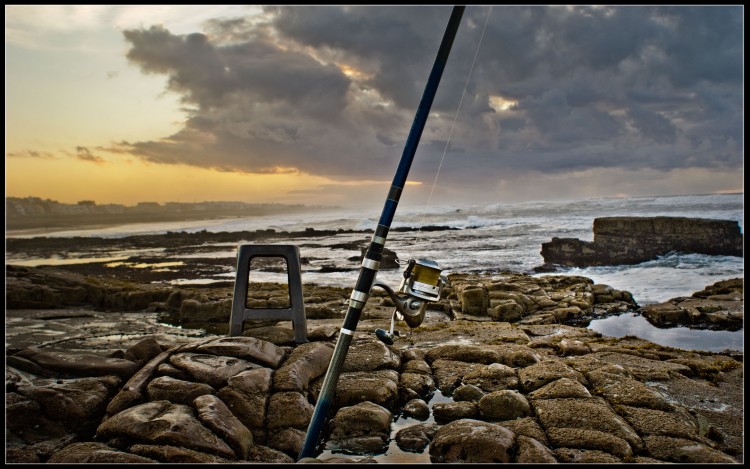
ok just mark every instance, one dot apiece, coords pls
pixel 394 454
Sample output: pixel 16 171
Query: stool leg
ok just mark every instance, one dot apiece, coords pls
pixel 296 311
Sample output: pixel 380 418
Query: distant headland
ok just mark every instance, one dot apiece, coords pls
pixel 29 213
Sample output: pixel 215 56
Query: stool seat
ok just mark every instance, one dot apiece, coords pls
pixel 296 310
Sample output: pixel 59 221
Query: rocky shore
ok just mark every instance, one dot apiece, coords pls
pixel 101 370
pixel 632 240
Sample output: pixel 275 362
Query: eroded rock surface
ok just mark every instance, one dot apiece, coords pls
pixel 531 391
pixel 631 240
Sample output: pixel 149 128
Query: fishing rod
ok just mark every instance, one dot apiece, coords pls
pixel 422 280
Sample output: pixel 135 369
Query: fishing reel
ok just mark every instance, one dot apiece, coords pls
pixel 422 284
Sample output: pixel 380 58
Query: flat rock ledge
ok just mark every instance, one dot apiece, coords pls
pixel 520 385
pixel 520 394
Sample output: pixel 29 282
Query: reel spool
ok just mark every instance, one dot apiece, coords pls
pixel 422 284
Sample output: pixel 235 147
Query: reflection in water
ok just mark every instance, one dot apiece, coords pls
pixel 677 337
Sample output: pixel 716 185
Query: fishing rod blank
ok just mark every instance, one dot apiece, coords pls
pixel 374 254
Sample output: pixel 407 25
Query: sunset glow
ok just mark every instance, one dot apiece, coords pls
pixel 131 103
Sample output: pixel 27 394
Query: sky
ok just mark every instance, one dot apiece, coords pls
pixel 313 104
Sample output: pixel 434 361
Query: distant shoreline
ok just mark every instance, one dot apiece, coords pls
pixel 34 215
pixel 39 225
pixel 42 224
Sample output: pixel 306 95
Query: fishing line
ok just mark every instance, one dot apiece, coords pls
pixel 445 150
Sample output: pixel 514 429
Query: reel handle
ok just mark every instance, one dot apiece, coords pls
pixel 384 336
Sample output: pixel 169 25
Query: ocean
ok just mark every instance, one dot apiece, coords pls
pixel 487 239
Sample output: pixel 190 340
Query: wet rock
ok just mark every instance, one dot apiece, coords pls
pixel 364 419
pixel 467 392
pixel 449 373
pixel 665 314
pixel 641 391
pixel 621 390
pixel 175 454
pixel 535 376
pixel 19 410
pixel 361 428
pixel 26 421
pixel 631 240
pixel 143 351
pixel 577 456
pixel 505 310
pixel 263 454
pixel 20 363
pixel 527 426
pixel 450 411
pixel 129 300
pixel 75 403
pixel 216 416
pixel 246 395
pixel 270 333
pixel 492 377
pixel 680 450
pixel 21 456
pixel 287 440
pixel 530 451
pixel 582 438
pixel 463 353
pixel 194 311
pixel 568 347
pixel 370 354
pixel 472 441
pixel 709 368
pixel 95 453
pixel 504 405
pixel 165 369
pixel 417 366
pixel 717 312
pixel 81 364
pixel 678 424
pixel 730 287
pixel 416 408
pixel 416 437
pixel 161 422
pixel 517 355
pixel 379 387
pixel 176 391
pixel 255 381
pixel 589 414
pixel 423 385
pixel 248 348
pixel 641 368
pixel 338 460
pixel 473 300
pixel 323 333
pixel 134 391
pixel 288 409
pixel 306 363
pixel 249 408
pixel 211 369
pixel 563 387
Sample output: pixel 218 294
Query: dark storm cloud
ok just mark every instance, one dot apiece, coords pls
pixel 554 89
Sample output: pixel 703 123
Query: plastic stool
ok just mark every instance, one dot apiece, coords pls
pixel 296 311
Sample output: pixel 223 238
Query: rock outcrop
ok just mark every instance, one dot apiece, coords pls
pixel 515 384
pixel 632 240
pixel 518 401
pixel 718 307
